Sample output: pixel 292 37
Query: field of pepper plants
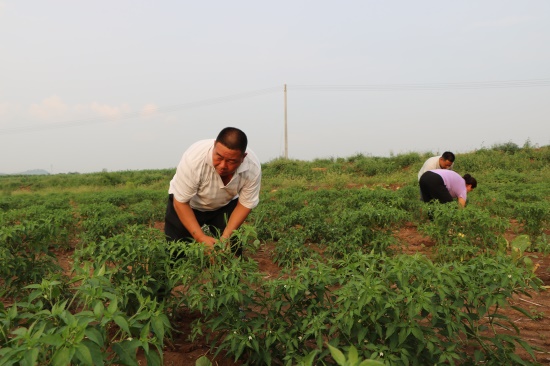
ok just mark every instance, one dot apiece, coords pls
pixel 341 267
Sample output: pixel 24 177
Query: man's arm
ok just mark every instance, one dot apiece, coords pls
pixel 239 214
pixel 461 202
pixel 188 219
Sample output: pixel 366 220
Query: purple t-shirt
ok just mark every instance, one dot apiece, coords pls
pixel 456 185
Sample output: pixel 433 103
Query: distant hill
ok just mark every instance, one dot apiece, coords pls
pixel 30 172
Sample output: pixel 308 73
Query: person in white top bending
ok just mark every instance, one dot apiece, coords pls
pixel 217 184
pixel 445 161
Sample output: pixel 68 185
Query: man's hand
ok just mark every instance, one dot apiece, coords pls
pixel 208 242
pixel 225 242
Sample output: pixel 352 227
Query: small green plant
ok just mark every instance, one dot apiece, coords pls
pixel 470 226
pixel 292 248
pixel 537 314
pixel 518 247
pixel 25 257
pixel 137 259
pixel 534 217
pixel 85 328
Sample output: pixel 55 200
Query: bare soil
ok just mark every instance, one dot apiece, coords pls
pixel 180 351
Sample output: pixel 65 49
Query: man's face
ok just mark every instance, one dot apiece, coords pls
pixel 445 164
pixel 225 160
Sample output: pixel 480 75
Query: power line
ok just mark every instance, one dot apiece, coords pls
pixel 529 83
pixel 424 86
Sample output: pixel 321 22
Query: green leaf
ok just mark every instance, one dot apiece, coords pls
pixel 94 335
pixel 98 309
pixel 95 351
pixel 371 363
pixel 126 352
pixel 158 326
pixel 20 331
pixel 62 357
pixel 521 243
pixel 53 340
pixel 310 358
pixel 153 359
pixel 353 356
pixel 203 361
pixel 240 350
pixel 122 323
pixel 418 333
pixel 12 312
pixel 403 334
pixel 113 306
pixel 84 354
pixel 101 271
pixel 337 355
pixel 31 356
pixel 390 329
pixel 528 263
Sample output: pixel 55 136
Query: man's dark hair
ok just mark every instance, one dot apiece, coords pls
pixel 233 139
pixel 470 180
pixel 447 155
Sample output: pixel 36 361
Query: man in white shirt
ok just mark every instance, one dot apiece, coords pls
pixel 217 184
pixel 445 161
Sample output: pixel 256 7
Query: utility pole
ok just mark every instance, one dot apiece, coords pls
pixel 286 129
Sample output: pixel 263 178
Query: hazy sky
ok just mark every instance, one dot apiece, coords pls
pixel 87 86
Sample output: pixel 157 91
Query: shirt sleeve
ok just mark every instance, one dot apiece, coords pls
pixel 458 184
pixel 186 181
pixel 249 195
pixel 462 193
pixel 430 164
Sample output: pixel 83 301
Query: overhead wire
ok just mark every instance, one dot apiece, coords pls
pixel 426 86
pixel 529 83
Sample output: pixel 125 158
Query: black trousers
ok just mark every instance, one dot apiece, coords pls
pixel 216 221
pixel 433 187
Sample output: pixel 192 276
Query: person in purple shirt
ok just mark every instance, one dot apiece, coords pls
pixel 445 185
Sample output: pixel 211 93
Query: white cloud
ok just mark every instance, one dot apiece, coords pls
pixel 108 111
pixel 149 109
pixel 50 108
pixel 53 110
